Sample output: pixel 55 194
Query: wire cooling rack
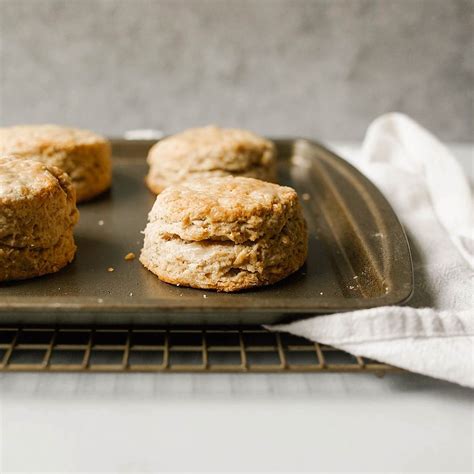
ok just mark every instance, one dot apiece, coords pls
pixel 159 349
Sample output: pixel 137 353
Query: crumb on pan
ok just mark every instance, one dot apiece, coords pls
pixel 129 256
pixel 110 269
pixel 306 197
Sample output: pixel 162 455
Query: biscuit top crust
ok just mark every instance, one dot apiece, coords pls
pixel 44 139
pixel 24 179
pixel 229 208
pixel 212 148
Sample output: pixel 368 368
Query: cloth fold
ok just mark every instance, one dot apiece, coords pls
pixel 425 185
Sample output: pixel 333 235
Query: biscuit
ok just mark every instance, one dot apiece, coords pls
pixel 242 233
pixel 37 215
pixel 210 152
pixel 83 155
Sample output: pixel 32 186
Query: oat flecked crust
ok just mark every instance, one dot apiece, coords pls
pixel 83 155
pixel 37 215
pixel 241 233
pixel 210 152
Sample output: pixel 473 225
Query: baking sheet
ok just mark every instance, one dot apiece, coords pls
pixel 358 255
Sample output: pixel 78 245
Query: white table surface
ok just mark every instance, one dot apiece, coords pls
pixel 278 422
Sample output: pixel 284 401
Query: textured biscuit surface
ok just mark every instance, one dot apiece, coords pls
pixel 26 262
pixel 37 203
pixel 83 155
pixel 37 215
pixel 210 151
pixel 157 181
pixel 236 209
pixel 226 234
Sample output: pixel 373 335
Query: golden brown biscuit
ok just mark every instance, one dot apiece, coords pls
pixel 228 239
pixel 83 155
pixel 37 215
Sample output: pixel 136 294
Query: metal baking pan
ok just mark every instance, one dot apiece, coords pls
pixel 358 255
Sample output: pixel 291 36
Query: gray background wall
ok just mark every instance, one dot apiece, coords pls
pixel 318 68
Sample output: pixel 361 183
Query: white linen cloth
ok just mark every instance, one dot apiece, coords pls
pixel 434 334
